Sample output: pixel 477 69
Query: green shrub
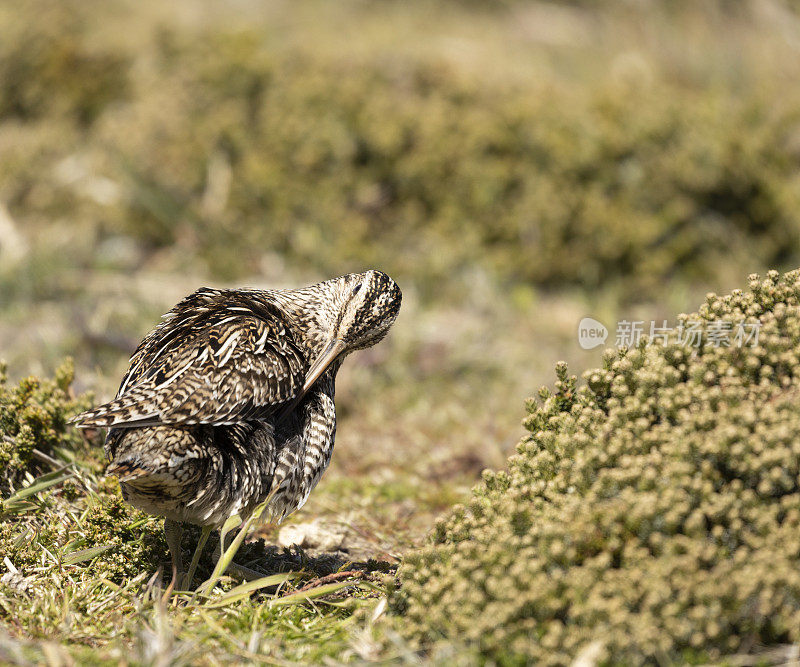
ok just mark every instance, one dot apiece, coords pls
pixel 128 542
pixel 655 509
pixel 33 420
pixel 137 544
pixel 79 513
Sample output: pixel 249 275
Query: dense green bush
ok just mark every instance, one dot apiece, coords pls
pixel 543 184
pixel 655 510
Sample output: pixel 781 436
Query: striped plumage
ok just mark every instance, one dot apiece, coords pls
pixel 231 397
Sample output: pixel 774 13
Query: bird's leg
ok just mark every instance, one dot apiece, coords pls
pixel 173 530
pixel 205 532
pixel 239 571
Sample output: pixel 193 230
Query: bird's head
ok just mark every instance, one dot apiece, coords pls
pixel 366 305
pixel 372 301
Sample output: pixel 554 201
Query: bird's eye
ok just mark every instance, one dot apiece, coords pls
pixel 357 288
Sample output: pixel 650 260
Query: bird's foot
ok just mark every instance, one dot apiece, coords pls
pixel 173 531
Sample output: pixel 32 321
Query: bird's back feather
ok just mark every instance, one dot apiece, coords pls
pixel 218 357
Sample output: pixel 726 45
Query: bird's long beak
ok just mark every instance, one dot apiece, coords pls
pixel 320 365
pixel 325 359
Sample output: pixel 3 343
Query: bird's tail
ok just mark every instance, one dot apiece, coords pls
pixel 131 410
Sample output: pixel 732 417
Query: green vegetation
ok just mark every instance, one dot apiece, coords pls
pixel 47 70
pixel 33 420
pixel 654 510
pixel 48 475
pixel 549 180
pixel 516 166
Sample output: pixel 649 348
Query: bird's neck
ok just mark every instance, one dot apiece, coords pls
pixel 310 314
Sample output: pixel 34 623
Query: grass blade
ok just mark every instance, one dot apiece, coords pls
pixel 244 590
pixel 85 554
pixel 198 550
pixel 226 558
pixel 304 596
pixel 16 502
pixel 41 483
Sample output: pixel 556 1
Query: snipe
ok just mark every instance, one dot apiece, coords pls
pixel 229 401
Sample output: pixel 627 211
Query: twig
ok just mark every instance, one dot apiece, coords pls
pixel 49 459
pixel 329 579
pixel 39 454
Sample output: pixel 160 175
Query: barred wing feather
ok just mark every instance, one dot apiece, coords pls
pixel 218 357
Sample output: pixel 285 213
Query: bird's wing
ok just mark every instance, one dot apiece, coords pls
pixel 218 357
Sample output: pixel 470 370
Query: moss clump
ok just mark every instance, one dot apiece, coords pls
pixel 73 519
pixel 22 542
pixel 655 509
pixel 138 544
pixel 33 420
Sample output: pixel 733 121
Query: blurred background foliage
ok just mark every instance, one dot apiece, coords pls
pixel 241 135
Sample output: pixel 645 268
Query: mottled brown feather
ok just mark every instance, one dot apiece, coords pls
pixel 216 358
